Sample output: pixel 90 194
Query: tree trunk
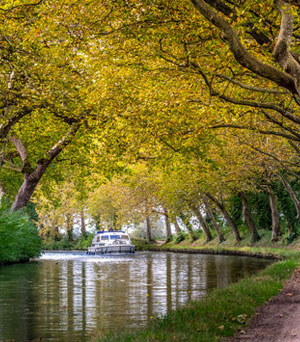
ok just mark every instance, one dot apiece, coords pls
pixel 57 235
pixel 214 222
pixel 148 230
pixel 203 224
pixel 69 224
pixel 188 225
pixel 83 226
pixel 227 217
pixel 2 191
pixel 25 192
pixel 291 192
pixel 275 215
pixel 177 228
pixel 168 226
pixel 254 233
pixel 32 176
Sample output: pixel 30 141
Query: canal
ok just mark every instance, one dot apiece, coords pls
pixel 69 297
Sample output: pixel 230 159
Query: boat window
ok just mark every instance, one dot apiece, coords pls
pixel 104 237
pixel 125 237
pixel 115 237
pixel 98 238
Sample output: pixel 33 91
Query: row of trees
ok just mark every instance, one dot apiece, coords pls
pixel 190 103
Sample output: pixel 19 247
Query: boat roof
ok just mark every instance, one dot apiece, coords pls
pixel 110 231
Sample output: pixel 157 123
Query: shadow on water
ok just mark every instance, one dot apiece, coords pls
pixel 65 297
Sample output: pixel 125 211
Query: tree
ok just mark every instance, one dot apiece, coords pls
pixel 254 233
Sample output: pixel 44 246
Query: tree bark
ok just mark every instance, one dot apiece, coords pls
pixel 203 224
pixel 254 233
pixel 82 226
pixel 291 192
pixel 25 192
pixel 227 216
pixel 148 230
pixel 69 225
pixel 275 215
pixel 214 222
pixel 282 52
pixel 33 176
pixel 168 226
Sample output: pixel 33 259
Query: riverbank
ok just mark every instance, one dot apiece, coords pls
pixel 223 312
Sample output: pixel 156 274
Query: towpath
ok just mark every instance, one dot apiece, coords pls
pixel 278 320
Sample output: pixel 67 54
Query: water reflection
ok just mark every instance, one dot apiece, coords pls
pixel 66 297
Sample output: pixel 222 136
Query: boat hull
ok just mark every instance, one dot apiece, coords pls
pixel 111 249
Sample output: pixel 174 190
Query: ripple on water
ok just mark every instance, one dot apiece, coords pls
pixel 68 296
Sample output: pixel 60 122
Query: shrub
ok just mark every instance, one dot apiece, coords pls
pixel 84 242
pixel 58 245
pixel 179 237
pixel 19 240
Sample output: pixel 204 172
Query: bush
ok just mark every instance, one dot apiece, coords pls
pixel 58 245
pixel 19 239
pixel 179 237
pixel 64 244
pixel 84 242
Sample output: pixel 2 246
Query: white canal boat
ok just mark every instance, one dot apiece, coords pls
pixel 112 241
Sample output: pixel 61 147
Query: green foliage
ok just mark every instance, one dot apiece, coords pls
pixel 84 242
pixel 235 209
pixel 31 212
pixel 65 244
pixel 259 205
pixel 261 213
pixel 179 237
pixel 19 239
pixel 140 244
pixel 288 210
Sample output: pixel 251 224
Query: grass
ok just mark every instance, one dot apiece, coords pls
pixel 222 312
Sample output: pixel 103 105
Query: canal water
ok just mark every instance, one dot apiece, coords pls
pixel 70 297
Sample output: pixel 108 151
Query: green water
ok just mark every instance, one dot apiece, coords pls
pixel 67 297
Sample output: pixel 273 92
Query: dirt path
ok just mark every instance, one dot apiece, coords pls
pixel 279 319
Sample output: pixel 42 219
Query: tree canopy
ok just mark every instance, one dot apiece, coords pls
pixel 149 108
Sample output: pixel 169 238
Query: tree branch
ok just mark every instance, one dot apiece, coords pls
pixel 278 134
pixel 252 88
pixel 243 57
pixel 20 148
pixel 5 128
pixel 282 52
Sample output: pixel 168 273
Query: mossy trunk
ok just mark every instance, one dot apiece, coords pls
pixel 168 226
pixel 275 216
pixel 148 230
pixel 254 233
pixel 227 217
pixel 291 192
pixel 82 226
pixel 203 224
pixel 69 225
pixel 214 222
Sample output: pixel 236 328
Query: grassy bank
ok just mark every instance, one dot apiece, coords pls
pixel 223 311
